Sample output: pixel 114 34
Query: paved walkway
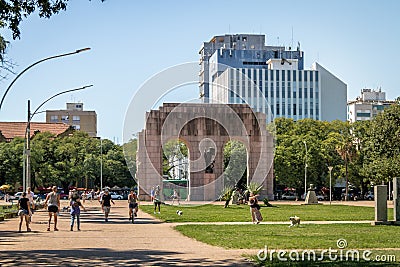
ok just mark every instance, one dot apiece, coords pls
pixel 148 242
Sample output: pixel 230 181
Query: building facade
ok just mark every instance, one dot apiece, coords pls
pixel 74 115
pixel 273 80
pixel 368 105
pixel 239 51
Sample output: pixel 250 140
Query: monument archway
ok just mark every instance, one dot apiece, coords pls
pixel 205 129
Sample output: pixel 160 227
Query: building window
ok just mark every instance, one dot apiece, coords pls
pixel 65 118
pixel 76 118
pixel 54 118
pixel 76 127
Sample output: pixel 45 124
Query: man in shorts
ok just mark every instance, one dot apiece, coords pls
pixel 53 206
pixel 106 203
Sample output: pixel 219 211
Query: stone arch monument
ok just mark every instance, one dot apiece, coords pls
pixel 205 129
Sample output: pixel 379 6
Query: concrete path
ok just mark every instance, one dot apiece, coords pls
pixel 148 242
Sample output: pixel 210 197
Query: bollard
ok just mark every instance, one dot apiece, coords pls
pixel 380 192
pixel 396 199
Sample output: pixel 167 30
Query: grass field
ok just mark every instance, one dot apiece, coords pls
pixel 240 213
pixel 381 240
pixel 310 236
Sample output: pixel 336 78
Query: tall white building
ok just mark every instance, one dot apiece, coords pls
pixel 241 68
pixel 281 89
pixel 369 104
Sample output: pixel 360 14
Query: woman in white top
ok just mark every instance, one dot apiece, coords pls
pixel 53 207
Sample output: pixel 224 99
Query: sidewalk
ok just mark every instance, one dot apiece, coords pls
pixel 148 242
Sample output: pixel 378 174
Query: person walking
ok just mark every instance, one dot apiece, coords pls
pixel 76 212
pixel 106 204
pixel 157 199
pixel 30 195
pixel 53 206
pixel 133 204
pixel 175 196
pixel 152 194
pixel 256 216
pixel 24 211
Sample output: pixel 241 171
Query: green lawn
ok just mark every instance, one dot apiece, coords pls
pixel 309 236
pixel 316 237
pixel 240 213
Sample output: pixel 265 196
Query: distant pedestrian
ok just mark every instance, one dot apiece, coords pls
pixel 106 204
pixel 30 195
pixel 256 216
pixel 83 197
pixel 24 211
pixel 152 194
pixel 175 196
pixel 53 206
pixel 76 212
pixel 157 199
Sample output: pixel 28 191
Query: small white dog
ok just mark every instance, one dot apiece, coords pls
pixel 179 212
pixel 294 221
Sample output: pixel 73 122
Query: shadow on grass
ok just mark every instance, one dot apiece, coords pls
pixel 105 257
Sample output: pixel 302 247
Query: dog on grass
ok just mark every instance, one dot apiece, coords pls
pixel 294 221
pixel 179 212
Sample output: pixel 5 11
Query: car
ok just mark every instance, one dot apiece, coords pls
pixel 369 196
pixel 320 197
pixel 289 196
pixel 116 196
pixel 18 195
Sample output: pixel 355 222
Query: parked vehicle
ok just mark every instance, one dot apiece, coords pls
pixel 369 196
pixel 116 196
pixel 289 196
pixel 18 195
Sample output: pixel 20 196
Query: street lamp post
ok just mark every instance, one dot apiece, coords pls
pixel 305 170
pixel 330 184
pixel 27 151
pixel 34 64
pixel 101 164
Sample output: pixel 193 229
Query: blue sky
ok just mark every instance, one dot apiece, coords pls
pixel 131 41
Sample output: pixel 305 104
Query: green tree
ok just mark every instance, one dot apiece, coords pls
pixel 235 164
pixel 382 149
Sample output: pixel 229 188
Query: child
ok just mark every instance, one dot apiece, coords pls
pixel 76 211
